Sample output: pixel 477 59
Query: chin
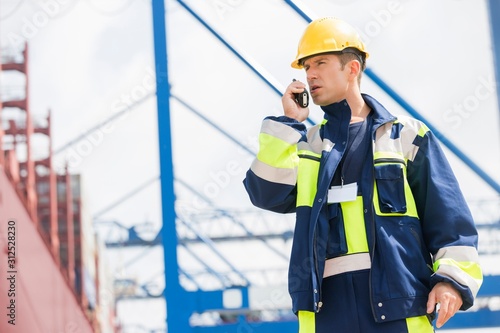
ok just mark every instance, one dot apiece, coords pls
pixel 321 103
pixel 318 102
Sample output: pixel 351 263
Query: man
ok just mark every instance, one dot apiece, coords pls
pixel 383 235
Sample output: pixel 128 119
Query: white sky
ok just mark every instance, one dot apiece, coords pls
pixel 90 59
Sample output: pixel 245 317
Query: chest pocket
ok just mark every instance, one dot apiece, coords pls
pixel 392 195
pixel 390 187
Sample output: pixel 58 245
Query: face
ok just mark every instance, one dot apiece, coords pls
pixel 328 82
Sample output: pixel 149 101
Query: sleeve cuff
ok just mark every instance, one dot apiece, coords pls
pixel 467 297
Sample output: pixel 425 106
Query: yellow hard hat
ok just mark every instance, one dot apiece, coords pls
pixel 327 34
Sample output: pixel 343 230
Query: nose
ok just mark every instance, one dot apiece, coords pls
pixel 311 75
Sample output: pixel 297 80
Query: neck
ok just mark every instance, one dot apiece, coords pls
pixel 359 109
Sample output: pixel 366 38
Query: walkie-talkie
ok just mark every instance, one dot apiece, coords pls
pixel 302 98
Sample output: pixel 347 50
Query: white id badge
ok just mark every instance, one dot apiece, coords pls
pixel 344 193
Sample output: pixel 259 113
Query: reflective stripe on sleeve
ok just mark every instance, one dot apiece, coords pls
pixel 277 153
pixel 280 130
pixel 272 174
pixel 460 263
pixel 277 159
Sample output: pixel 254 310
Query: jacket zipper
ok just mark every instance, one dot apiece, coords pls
pixel 316 268
pixel 372 220
pixel 374 239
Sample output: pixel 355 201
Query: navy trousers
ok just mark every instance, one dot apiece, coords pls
pixel 346 309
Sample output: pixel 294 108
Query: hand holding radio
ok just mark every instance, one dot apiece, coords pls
pixel 295 101
pixel 302 98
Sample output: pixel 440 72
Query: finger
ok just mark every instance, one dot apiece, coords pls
pixel 440 317
pixel 444 313
pixel 298 89
pixel 293 90
pixel 431 302
pixel 297 85
pixel 297 81
pixel 457 304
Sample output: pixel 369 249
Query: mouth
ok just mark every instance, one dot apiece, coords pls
pixel 314 88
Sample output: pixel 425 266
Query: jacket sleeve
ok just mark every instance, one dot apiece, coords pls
pixel 271 180
pixel 448 226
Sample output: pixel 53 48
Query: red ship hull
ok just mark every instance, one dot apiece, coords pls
pixel 34 295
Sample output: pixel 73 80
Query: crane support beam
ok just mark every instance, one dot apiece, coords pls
pixel 177 316
pixel 494 13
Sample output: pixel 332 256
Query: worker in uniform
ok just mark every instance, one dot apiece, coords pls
pixel 384 240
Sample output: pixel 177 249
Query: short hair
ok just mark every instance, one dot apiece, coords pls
pixel 349 54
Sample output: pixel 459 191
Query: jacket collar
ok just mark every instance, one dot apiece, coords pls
pixel 380 113
pixel 337 112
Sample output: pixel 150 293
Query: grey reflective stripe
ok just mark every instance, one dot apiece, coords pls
pixel 302 145
pixel 409 132
pixel 328 145
pixel 458 253
pixel 314 140
pixel 461 277
pixel 348 263
pixel 404 143
pixel 280 130
pixel 275 175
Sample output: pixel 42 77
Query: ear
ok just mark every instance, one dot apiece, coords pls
pixel 354 67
